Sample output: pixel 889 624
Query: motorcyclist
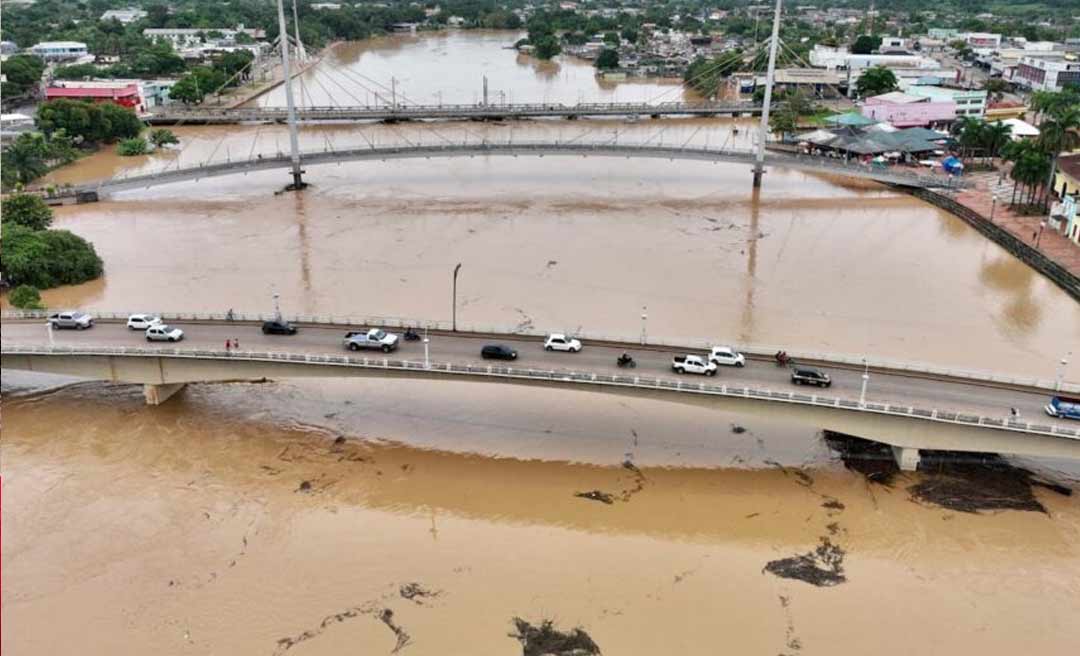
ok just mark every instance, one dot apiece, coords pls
pixel 782 357
pixel 625 358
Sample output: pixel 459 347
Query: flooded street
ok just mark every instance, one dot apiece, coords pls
pixel 350 516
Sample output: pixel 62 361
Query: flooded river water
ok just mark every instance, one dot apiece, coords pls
pixel 289 517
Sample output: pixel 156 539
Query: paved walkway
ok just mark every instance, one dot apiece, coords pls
pixel 979 198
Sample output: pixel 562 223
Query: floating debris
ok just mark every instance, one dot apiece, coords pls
pixel 305 486
pixel 873 460
pixel 980 482
pixel 596 495
pixel 822 567
pixel 546 640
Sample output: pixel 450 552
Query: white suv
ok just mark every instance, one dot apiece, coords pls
pixel 559 342
pixel 142 321
pixel 163 333
pixel 725 355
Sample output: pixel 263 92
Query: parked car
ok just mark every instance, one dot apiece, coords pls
pixel 71 319
pixel 498 352
pixel 142 321
pixel 278 327
pixel 693 364
pixel 560 342
pixel 375 338
pixel 808 376
pixel 163 333
pixel 727 356
pixel 1064 407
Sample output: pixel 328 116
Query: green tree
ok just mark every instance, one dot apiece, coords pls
pixel 546 47
pixel 784 122
pixel 24 160
pixel 196 85
pixel 608 59
pixel 122 122
pixel 102 122
pixel 27 210
pixel 865 44
pixel 163 137
pixel 46 258
pixel 611 38
pixel 23 72
pixel 875 81
pixel 26 297
pixel 630 34
pixel 132 147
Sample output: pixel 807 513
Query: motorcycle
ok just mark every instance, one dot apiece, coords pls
pixel 782 359
pixel 411 335
pixel 625 360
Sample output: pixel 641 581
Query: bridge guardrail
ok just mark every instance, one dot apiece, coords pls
pixel 569 376
pixel 680 344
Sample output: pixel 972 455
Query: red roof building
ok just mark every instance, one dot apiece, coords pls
pixel 127 95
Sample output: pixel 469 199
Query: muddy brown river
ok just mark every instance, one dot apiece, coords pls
pixel 332 517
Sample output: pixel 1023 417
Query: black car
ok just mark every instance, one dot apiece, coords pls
pixel 277 327
pixel 808 376
pixel 498 352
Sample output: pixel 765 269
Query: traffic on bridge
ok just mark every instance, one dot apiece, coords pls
pixel 1013 400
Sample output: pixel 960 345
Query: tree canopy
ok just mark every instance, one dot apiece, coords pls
pixel 27 210
pixel 608 59
pixel 875 81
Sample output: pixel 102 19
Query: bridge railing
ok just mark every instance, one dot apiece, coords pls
pixel 586 378
pixel 609 107
pixel 688 344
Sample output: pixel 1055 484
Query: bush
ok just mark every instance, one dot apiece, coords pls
pixel 132 147
pixel 26 210
pixel 47 258
pixel 26 297
pixel 161 137
pixel 105 122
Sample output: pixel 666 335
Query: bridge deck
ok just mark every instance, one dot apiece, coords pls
pixel 225 116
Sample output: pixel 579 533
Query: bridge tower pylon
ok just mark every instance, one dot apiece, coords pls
pixel 294 137
pixel 770 78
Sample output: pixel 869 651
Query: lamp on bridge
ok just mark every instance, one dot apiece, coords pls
pixel 644 320
pixel 277 307
pixel 993 206
pixel 453 319
pixel 1061 371
pixel 865 382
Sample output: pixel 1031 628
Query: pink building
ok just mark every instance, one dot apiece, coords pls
pixel 906 111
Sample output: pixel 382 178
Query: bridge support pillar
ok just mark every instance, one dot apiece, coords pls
pixel 156 394
pixel 906 457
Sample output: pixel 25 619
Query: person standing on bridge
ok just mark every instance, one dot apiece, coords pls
pixel 236 344
pixel 228 343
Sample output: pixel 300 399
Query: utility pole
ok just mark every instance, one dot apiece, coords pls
pixel 393 92
pixel 485 92
pixel 763 132
pixel 294 138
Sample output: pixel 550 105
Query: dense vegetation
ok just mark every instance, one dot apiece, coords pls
pixel 33 255
pixel 22 73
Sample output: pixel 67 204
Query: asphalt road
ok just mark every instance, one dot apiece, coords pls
pixel 896 389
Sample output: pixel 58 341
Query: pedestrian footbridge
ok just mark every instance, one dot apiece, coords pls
pixel 810 163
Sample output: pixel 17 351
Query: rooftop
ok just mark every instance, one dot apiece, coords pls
pixel 1070 165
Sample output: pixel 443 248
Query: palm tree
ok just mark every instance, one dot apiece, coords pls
pixel 1056 134
pixel 997 135
pixel 25 157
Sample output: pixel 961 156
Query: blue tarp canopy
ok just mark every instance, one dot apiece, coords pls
pixel 952 165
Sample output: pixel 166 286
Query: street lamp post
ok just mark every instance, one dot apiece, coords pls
pixel 427 359
pixel 993 206
pixel 865 382
pixel 644 321
pixel 48 328
pixel 453 315
pixel 1038 239
pixel 1061 371
pixel 277 307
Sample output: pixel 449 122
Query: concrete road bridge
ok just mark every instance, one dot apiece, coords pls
pixel 908 406
pixel 402 112
pixel 809 163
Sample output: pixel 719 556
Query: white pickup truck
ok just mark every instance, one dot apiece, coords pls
pixel 376 338
pixel 694 364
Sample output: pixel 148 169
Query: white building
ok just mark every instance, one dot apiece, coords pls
pixel 841 59
pixel 1046 73
pixel 191 37
pixel 125 16
pixel 59 50
pixel 969 102
pixel 979 40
